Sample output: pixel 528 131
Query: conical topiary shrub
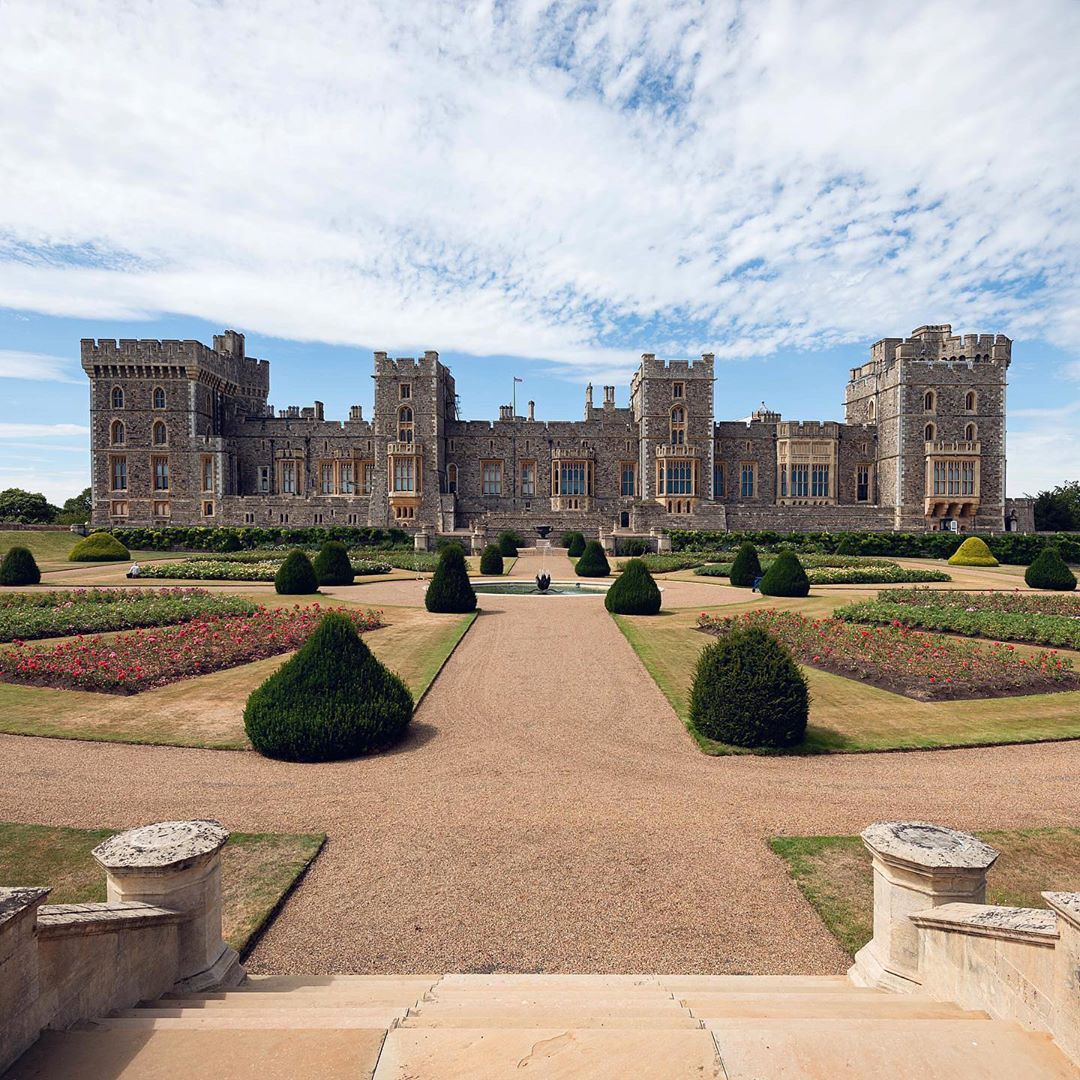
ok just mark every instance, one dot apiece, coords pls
pixel 634 591
pixel 296 576
pixel 746 568
pixel 593 561
pixel 19 568
pixel 331 700
pixel 973 552
pixel 748 691
pixel 450 589
pixel 576 548
pixel 332 565
pixel 491 560
pixel 508 542
pixel 785 577
pixel 1048 571
pixel 99 547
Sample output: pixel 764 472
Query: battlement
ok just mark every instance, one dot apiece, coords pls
pixel 406 366
pixel 653 368
pixel 808 429
pixel 937 344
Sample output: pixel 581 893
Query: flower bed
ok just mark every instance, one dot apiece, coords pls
pixel 927 667
pixel 211 569
pixel 26 616
pixel 1013 603
pixel 843 570
pixel 143 659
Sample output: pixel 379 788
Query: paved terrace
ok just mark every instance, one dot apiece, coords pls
pixel 548 813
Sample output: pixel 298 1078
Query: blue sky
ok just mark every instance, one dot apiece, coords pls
pixel 540 189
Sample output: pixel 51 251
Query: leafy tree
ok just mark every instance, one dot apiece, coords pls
pixel 75 510
pixel 1058 510
pixel 26 507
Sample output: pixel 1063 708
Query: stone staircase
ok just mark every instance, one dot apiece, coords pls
pixel 476 1027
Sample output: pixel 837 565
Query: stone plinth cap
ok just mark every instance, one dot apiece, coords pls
pixel 1066 904
pixel 933 847
pixel 162 846
pixel 13 902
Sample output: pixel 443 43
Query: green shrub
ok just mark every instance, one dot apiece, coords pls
pixel 634 591
pixel 593 561
pixel 748 691
pixel 450 589
pixel 566 539
pixel 332 700
pixel 445 542
pixel 1048 571
pixel 249 537
pixel 785 577
pixel 508 543
pixel 332 565
pixel 973 552
pixel 746 568
pixel 633 546
pixel 296 575
pixel 847 546
pixel 576 548
pixel 99 547
pixel 491 560
pixel 19 568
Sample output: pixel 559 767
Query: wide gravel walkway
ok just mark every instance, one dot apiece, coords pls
pixel 548 813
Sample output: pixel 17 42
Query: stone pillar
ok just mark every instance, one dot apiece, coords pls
pixel 916 867
pixel 21 1015
pixel 422 540
pixel 607 541
pixel 1065 1019
pixel 177 865
pixel 663 542
pixel 478 540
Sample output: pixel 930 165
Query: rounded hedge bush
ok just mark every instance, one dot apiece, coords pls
pixel 450 589
pixel 445 542
pixel 332 565
pixel 566 539
pixel 19 568
pixel 576 548
pixel 508 542
pixel 748 691
pixel 331 700
pixel 99 547
pixel 593 561
pixel 296 575
pixel 747 567
pixel 1048 571
pixel 634 591
pixel 491 560
pixel 785 577
pixel 973 552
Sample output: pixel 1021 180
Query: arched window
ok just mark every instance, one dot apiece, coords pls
pixel 451 479
pixel 873 410
pixel 117 433
pixel 928 433
pixel 970 400
pixel 971 433
pixel 159 397
pixel 117 397
pixel 405 424
pixel 929 401
pixel 161 434
pixel 678 426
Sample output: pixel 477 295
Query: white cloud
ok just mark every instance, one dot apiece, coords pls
pixel 563 181
pixel 40 431
pixel 36 366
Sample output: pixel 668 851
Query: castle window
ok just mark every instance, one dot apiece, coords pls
pixel 572 478
pixel 928 433
pixel 491 478
pixel 970 401
pixel 747 479
pixel 347 478
pixel 819 482
pixel 405 390
pixel 629 479
pixel 207 469
pixel 160 508
pixel 264 479
pixel 208 509
pixel 249 518
pixel 929 401
pixel 160 434
pixel 451 479
pixel 118 473
pixel 676 477
pixel 117 397
pixel 405 424
pixel 118 509
pixel 872 411
pixel 954 477
pixel 159 398
pixel 862 483
pixel 800 481
pixel 160 469
pixel 326 478
pixel 404 474
pixel 678 426
pixel 971 433
pixel 367 471
pixel 287 479
pixel 718 479
pixel 677 390
pixel 528 479
pixel 117 434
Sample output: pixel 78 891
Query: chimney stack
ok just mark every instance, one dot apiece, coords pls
pixel 532 410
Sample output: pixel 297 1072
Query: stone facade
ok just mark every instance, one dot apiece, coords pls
pixel 182 434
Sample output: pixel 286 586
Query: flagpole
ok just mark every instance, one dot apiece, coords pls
pixel 513 399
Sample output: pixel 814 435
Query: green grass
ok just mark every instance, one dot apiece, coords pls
pixel 847 716
pixel 51 549
pixel 833 873
pixel 258 870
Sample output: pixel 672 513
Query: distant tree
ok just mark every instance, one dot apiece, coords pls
pixel 26 507
pixel 1058 510
pixel 76 509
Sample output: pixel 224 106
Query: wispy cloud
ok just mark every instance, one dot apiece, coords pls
pixel 40 431
pixel 36 366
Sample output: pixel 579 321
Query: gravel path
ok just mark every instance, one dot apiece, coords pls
pixel 548 813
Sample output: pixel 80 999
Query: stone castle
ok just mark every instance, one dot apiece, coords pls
pixel 182 434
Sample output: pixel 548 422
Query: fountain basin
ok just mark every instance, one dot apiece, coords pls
pixel 528 588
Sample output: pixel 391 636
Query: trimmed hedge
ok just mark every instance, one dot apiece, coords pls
pixel 491 560
pixel 450 589
pixel 508 542
pixel 576 548
pixel 634 591
pixel 332 700
pixel 748 691
pixel 19 568
pixel 747 567
pixel 1050 571
pixel 332 565
pixel 785 577
pixel 973 552
pixel 228 538
pixel 593 561
pixel 634 546
pixel 296 576
pixel 99 547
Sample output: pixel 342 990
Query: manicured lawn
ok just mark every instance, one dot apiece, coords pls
pixel 849 716
pixel 208 711
pixel 833 873
pixel 257 870
pixel 51 549
pixel 472 562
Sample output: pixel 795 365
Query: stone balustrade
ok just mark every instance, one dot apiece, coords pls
pixel 158 932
